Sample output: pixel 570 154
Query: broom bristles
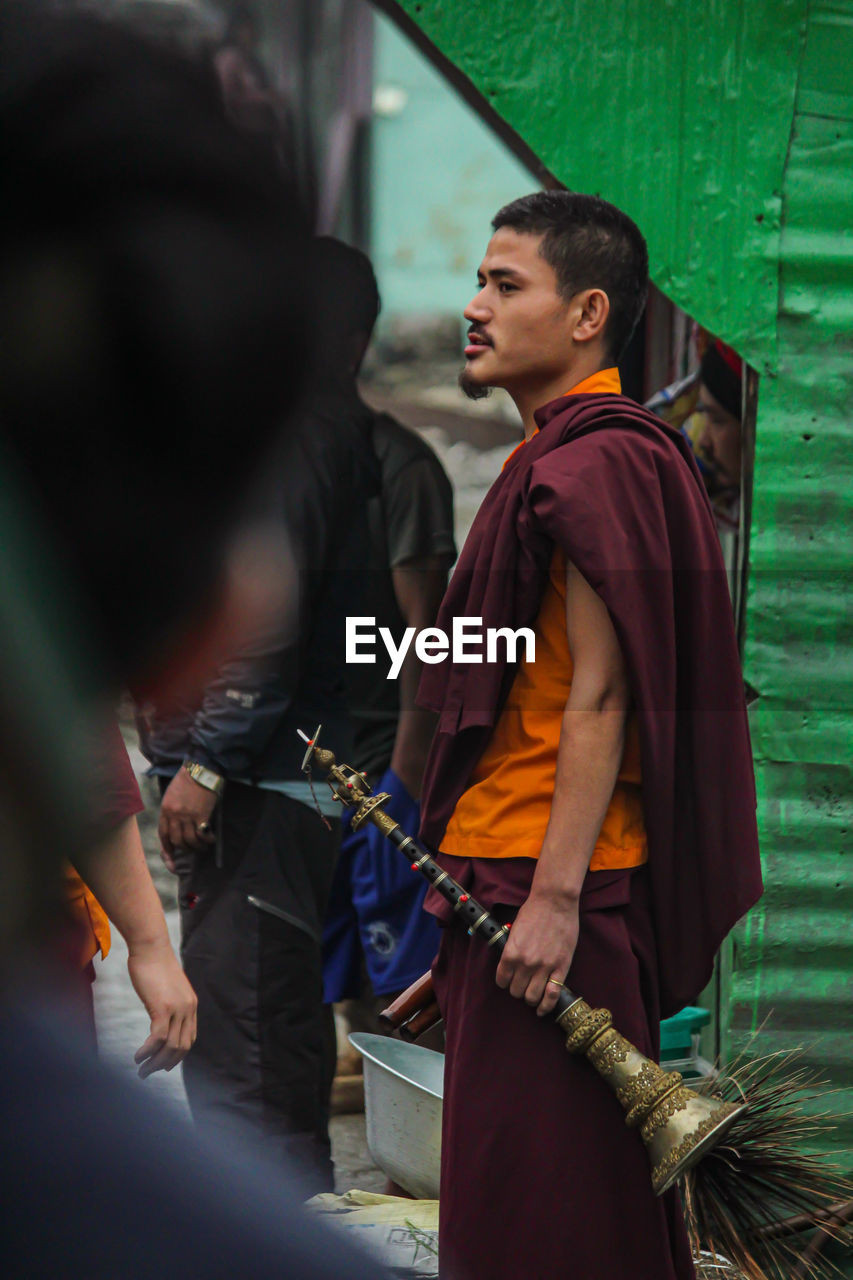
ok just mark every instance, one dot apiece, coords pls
pixel 758 1178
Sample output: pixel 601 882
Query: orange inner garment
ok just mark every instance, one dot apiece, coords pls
pixel 505 810
pixel 90 915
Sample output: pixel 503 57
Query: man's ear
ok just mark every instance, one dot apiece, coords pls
pixel 592 308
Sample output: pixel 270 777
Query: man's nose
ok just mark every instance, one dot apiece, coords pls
pixel 477 312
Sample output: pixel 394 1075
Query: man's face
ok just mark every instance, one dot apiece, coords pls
pixel 720 438
pixel 519 327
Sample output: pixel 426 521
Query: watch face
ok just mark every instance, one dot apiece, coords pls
pixel 203 776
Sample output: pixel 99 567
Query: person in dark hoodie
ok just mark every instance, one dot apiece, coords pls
pixel 377 939
pixel 576 792
pixel 238 822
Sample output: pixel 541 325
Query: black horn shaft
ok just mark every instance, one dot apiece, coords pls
pixel 470 911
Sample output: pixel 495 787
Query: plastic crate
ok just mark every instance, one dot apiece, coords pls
pixel 680 1037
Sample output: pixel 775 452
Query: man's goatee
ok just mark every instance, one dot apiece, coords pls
pixel 473 390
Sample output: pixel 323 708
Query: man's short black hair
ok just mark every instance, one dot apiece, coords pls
pixel 589 244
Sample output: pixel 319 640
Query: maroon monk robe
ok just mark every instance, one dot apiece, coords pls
pixel 540 1178
pixel 619 492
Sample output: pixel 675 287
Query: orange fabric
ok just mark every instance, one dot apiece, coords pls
pixel 505 810
pixel 88 913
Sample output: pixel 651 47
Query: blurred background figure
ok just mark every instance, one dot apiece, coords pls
pixel 376 939
pixel 676 403
pixel 707 406
pixel 239 823
pixel 250 99
pixel 718 440
pixel 153 326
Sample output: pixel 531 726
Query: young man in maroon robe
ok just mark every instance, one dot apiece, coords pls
pixel 599 795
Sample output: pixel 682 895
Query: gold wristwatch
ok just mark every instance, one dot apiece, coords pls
pixel 204 777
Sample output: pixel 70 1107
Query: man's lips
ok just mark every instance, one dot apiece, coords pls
pixel 477 342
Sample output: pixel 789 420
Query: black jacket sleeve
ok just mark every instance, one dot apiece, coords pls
pixel 323 480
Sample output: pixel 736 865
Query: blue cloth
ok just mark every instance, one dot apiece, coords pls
pixel 316 795
pixel 375 909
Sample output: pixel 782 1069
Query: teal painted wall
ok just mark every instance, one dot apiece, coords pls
pixel 438 176
pixel 726 130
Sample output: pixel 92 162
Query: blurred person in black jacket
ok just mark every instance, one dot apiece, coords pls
pixel 375 928
pixel 239 822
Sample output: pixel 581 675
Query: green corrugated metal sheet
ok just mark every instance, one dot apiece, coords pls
pixel 679 111
pixel 795 957
pixel 824 88
pixel 725 129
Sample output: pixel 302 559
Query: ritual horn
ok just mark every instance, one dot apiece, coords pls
pixel 677 1125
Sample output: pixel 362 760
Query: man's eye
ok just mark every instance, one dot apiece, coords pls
pixel 505 287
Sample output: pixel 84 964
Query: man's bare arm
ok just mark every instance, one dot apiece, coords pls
pixel 592 739
pixel 418 586
pixel 117 873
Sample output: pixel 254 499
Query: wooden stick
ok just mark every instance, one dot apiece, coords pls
pixel 415 998
pixel 424 1020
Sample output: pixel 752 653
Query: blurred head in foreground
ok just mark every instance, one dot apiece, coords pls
pixel 152 333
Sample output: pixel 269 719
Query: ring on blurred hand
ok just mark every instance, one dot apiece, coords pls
pixel 556 982
pixel 203 828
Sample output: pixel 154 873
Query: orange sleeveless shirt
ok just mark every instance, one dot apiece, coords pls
pixel 505 810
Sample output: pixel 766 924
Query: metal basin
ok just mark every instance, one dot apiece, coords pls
pixel 403 1089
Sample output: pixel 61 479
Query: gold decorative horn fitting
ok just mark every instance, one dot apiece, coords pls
pixel 677 1124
